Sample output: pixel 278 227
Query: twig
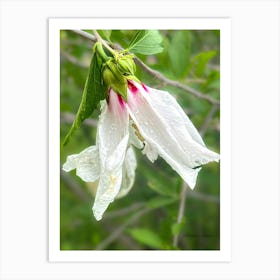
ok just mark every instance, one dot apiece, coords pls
pixel 85 34
pixel 118 231
pixel 208 119
pixel 195 81
pixel 176 84
pixel 73 59
pixel 103 42
pixel 204 197
pixel 181 211
pixel 155 73
pixel 74 186
pixel 124 211
pixel 128 242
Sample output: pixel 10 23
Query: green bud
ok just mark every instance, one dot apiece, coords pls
pixel 114 79
pixel 126 65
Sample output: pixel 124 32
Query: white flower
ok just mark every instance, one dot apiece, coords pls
pixel 111 161
pixel 151 120
pixel 167 131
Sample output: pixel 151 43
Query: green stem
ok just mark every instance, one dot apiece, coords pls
pixel 99 39
pixel 101 52
pixel 180 212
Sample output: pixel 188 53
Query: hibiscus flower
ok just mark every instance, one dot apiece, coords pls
pixel 150 120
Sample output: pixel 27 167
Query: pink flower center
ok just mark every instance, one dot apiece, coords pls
pixel 121 101
pixel 144 87
pixel 132 87
pixel 115 102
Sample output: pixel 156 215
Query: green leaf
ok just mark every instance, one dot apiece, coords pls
pixel 162 183
pixel 177 227
pixel 163 188
pixel 94 92
pixel 213 80
pixel 160 202
pixel 146 42
pixel 179 53
pixel 120 88
pixel 147 237
pixel 201 60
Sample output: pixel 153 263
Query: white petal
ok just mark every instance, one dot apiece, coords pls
pixel 112 142
pixel 86 163
pixel 137 140
pixel 110 179
pixel 112 127
pixel 150 151
pixel 128 175
pixel 167 132
pixel 180 126
pixel 116 159
pixel 108 188
pixel 173 114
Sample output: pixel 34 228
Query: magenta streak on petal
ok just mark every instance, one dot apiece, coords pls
pixel 145 88
pixel 132 87
pixel 116 103
pixel 121 101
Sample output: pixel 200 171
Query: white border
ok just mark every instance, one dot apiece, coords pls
pixel 55 254
pixel 255 128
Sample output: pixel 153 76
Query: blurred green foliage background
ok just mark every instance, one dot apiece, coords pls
pixel 147 217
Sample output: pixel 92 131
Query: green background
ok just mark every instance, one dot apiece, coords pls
pixel 147 217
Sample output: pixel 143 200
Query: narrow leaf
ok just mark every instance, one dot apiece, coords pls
pixel 201 60
pixel 147 237
pixel 179 53
pixel 146 42
pixel 162 188
pixel 94 92
pixel 162 183
pixel 159 202
pixel 178 227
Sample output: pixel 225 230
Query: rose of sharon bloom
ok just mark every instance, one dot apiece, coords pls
pixel 150 120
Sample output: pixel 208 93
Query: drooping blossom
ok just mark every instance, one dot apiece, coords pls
pixel 150 120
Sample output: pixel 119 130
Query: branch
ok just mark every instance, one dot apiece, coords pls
pixel 73 59
pixel 76 188
pixel 86 35
pixel 118 231
pixel 124 211
pixel 204 197
pixel 153 72
pixel 173 83
pixel 180 212
pixel 208 119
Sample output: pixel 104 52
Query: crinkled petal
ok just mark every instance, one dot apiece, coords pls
pixel 180 125
pixel 174 116
pixel 128 175
pixel 112 141
pixel 86 164
pixel 167 132
pixel 150 151
pixel 110 180
pixel 108 188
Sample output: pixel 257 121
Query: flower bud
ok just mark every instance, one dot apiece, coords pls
pixel 126 65
pixel 114 79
